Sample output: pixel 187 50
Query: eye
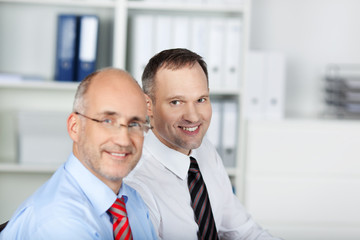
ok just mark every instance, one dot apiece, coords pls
pixel 175 102
pixel 201 100
pixel 134 125
pixel 108 121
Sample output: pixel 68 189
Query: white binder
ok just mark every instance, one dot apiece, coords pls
pixel 214 131
pixel 274 85
pixel 254 92
pixel 229 139
pixel 216 53
pixel 264 86
pixel 233 52
pixel 199 36
pixel 88 38
pixel 162 31
pixel 180 33
pixel 141 43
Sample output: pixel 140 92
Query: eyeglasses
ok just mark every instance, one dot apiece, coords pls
pixel 135 128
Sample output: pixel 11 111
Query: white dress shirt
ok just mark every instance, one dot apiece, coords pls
pixel 161 179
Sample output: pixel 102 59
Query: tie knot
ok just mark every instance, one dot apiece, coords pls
pixel 194 167
pixel 118 209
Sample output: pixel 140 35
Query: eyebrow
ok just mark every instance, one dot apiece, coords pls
pixel 175 97
pixel 182 97
pixel 205 96
pixel 112 113
pixel 137 119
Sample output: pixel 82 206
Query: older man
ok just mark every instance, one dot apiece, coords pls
pixel 86 197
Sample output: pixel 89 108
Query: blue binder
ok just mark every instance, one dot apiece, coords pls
pixel 66 48
pixel 88 37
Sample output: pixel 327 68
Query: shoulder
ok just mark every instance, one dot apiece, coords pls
pixel 208 152
pixel 134 196
pixel 57 197
pixel 207 145
pixel 143 194
pixel 53 221
pixel 137 202
pixel 145 173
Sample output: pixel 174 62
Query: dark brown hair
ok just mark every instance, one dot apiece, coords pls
pixel 170 59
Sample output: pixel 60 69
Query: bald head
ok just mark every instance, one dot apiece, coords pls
pixel 103 80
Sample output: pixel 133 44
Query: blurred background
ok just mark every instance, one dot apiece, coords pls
pixel 284 83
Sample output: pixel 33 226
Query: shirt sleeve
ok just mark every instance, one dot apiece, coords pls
pixel 61 228
pixel 55 228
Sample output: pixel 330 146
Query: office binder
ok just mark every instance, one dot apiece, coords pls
pixel 264 86
pixel 141 43
pixel 254 99
pixel 274 85
pixel 66 48
pixel 216 53
pixel 229 132
pixel 181 27
pixel 233 52
pixel 88 36
pixel 163 25
pixel 199 36
pixel 214 131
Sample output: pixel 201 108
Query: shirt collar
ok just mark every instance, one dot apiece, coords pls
pixel 176 162
pixel 124 192
pixel 98 193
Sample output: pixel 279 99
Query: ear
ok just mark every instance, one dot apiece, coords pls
pixel 149 106
pixel 73 126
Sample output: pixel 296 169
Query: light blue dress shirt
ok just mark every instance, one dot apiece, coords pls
pixel 73 204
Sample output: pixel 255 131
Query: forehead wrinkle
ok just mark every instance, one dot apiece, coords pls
pixel 116 114
pixel 109 113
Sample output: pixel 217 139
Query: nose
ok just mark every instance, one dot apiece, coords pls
pixel 121 136
pixel 191 113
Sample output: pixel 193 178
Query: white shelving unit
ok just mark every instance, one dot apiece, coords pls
pixel 301 183
pixel 27 46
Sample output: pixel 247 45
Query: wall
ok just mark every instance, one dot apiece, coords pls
pixel 312 34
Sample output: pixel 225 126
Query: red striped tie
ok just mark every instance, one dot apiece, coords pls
pixel 200 203
pixel 121 225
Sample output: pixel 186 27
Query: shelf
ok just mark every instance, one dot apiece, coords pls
pixel 82 3
pixel 40 85
pixel 140 5
pixel 54 85
pixel 30 31
pixel 188 7
pixel 231 171
pixel 225 92
pixel 22 168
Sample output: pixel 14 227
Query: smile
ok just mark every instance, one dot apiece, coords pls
pixel 190 129
pixel 119 154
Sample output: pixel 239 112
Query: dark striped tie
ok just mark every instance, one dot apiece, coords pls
pixel 121 225
pixel 200 203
